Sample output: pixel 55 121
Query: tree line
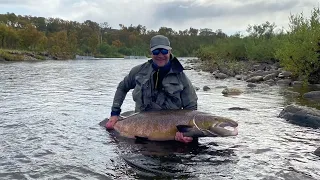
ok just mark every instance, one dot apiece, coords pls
pixel 64 38
pixel 297 49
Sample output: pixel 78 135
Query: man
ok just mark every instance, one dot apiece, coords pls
pixel 157 84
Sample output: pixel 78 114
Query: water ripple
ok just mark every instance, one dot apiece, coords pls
pixel 49 129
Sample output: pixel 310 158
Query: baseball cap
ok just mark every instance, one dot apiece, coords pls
pixel 159 41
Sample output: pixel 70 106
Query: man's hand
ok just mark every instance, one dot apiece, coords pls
pixel 112 121
pixel 181 138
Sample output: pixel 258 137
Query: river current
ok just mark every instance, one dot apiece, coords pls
pixel 50 110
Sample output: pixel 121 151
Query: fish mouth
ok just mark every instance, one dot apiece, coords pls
pixel 229 128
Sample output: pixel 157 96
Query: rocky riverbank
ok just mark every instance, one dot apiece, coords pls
pixel 271 74
pixel 17 55
pixel 258 73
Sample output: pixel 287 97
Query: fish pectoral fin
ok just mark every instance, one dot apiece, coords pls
pixel 183 128
pixel 190 131
pixel 194 133
pixel 139 138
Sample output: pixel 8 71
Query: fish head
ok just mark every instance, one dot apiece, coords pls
pixel 215 125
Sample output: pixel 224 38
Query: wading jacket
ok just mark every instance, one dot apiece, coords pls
pixel 174 92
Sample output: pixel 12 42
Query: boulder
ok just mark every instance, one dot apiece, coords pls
pixel 284 82
pixel 285 74
pixel 206 88
pixel 297 84
pixel 316 86
pixel 215 72
pixel 301 115
pixel 312 95
pixel 231 91
pixel 251 85
pixel 317 152
pixel 270 82
pixel 221 75
pixel 188 68
pixel 255 79
pixel 263 73
pixel 227 71
pixel 239 77
pixel 270 76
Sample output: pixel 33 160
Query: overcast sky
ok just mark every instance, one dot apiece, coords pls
pixel 229 15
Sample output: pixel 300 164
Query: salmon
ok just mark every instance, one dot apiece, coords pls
pixel 163 125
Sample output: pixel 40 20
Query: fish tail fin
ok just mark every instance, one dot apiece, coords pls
pixel 104 122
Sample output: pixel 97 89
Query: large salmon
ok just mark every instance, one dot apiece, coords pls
pixel 163 125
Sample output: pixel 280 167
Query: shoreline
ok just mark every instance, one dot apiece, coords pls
pixel 11 55
pixel 255 74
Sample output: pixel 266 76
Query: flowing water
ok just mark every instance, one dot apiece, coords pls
pixel 49 115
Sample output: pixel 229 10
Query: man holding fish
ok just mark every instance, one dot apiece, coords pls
pixel 161 84
pixel 158 84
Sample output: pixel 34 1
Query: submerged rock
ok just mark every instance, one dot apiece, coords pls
pixel 251 85
pixel 238 109
pixel 301 115
pixel 221 87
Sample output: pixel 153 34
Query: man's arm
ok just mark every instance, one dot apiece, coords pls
pixel 123 87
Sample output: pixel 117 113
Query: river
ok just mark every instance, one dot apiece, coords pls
pixel 50 110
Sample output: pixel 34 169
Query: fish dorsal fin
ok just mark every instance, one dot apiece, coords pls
pixel 183 128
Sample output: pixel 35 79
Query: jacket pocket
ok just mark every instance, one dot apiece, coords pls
pixel 140 89
pixel 172 86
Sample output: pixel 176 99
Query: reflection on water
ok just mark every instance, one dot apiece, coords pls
pixel 49 129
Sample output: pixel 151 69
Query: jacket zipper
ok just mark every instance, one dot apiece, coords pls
pixel 156 85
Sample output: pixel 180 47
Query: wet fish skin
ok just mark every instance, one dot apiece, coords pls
pixel 163 125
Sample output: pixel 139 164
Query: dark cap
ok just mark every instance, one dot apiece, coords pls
pixel 159 41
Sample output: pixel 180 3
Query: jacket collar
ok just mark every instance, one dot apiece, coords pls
pixel 176 66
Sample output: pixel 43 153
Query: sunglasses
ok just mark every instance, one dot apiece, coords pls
pixel 157 51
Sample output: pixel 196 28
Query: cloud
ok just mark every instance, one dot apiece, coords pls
pixel 229 15
pixel 183 11
pixel 30 3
